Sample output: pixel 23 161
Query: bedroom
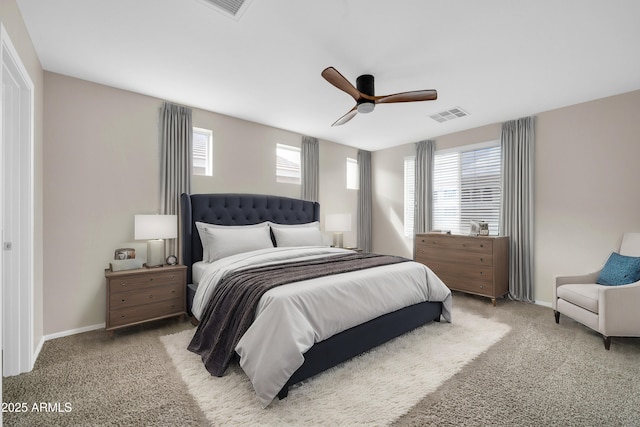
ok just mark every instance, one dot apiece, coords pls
pixel 585 181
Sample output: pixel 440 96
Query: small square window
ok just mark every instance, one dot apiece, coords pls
pixel 287 164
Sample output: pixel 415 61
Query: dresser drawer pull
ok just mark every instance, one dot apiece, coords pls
pixel 481 286
pixel 123 300
pixel 481 245
pixel 123 283
pixel 150 296
pixel 481 259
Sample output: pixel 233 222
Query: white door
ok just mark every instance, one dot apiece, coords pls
pixel 16 212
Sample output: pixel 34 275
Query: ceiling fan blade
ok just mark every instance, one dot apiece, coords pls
pixel 418 95
pixel 344 119
pixel 332 75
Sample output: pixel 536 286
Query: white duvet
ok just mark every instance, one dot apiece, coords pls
pixel 291 318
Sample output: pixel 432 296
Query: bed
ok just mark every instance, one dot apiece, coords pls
pixel 325 348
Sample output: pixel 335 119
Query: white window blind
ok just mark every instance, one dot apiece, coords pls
pixel 288 164
pixel 201 152
pixel 353 178
pixel 409 194
pixel 466 186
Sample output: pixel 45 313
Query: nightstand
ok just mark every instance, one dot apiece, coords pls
pixel 145 294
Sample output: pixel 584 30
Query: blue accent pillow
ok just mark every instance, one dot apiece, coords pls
pixel 620 270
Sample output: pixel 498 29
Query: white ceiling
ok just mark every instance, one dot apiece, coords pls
pixel 497 59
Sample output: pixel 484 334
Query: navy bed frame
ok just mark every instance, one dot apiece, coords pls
pixel 247 209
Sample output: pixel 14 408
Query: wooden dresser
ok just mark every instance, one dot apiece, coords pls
pixel 145 294
pixel 476 265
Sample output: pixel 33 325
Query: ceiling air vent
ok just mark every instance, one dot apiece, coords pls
pixel 445 116
pixel 231 8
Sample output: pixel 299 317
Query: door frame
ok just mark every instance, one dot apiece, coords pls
pixel 17 326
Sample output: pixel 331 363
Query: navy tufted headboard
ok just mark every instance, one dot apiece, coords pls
pixel 236 209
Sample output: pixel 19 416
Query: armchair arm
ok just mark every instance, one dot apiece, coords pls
pixel 618 310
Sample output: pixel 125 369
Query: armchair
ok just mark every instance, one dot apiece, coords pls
pixel 613 311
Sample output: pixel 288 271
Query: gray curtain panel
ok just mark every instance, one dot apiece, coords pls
pixel 423 190
pixel 364 201
pixel 516 213
pixel 310 168
pixel 176 139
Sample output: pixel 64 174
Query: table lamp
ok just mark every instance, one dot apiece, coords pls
pixel 155 228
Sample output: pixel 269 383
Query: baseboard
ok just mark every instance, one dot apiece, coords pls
pixel 74 331
pixel 543 303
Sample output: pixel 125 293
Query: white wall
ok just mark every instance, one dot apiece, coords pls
pixel 102 167
pixel 586 179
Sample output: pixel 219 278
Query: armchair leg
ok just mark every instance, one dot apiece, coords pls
pixel 557 314
pixel 607 342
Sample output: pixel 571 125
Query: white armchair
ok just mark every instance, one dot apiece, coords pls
pixel 613 311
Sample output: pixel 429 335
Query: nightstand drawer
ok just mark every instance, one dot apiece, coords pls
pixel 145 295
pixel 146 312
pixel 125 283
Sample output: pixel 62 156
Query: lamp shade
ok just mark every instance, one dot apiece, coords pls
pixel 337 222
pixel 155 227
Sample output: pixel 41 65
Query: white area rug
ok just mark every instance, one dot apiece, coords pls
pixel 372 389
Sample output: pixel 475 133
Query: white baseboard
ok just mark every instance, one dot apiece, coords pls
pixel 74 331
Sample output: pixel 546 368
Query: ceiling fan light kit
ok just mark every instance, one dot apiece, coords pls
pixel 364 94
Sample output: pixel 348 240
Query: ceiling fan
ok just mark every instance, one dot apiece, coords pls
pixel 365 97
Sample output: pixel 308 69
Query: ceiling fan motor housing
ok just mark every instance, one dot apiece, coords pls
pixel 364 83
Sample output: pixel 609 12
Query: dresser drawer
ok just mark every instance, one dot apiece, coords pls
pixel 435 255
pixel 455 243
pixel 134 281
pixel 130 315
pixel 144 295
pixel 462 272
pixel 479 287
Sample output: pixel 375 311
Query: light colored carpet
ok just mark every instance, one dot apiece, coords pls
pixel 373 389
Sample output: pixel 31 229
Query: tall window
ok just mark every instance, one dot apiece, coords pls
pixel 202 146
pixel 353 177
pixel 409 194
pixel 287 164
pixel 466 186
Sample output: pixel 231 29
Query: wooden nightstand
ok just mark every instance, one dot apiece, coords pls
pixel 145 294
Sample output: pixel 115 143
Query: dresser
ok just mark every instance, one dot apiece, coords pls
pixel 473 264
pixel 145 294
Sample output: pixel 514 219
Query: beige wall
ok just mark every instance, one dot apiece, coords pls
pixel 586 179
pixel 102 168
pixel 14 25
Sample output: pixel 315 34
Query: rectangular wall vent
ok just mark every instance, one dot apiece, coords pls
pixel 445 116
pixel 231 8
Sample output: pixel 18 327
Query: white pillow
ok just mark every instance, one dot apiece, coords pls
pixel 202 226
pixel 297 236
pixel 315 224
pixel 224 242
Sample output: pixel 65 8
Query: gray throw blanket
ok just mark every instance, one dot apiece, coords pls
pixel 233 304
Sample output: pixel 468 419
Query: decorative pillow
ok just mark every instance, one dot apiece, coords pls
pixel 202 226
pixel 620 270
pixel 297 236
pixel 224 242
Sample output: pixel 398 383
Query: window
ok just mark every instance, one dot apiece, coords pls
pixel 466 186
pixel 353 176
pixel 287 164
pixel 201 152
pixel 409 194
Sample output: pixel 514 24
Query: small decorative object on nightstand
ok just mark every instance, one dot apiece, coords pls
pixel 143 295
pixel 337 223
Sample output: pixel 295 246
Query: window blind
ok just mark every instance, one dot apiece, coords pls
pixel 467 187
pixel 201 151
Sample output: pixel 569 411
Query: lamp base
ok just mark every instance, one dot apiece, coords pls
pixel 155 253
pixel 337 240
